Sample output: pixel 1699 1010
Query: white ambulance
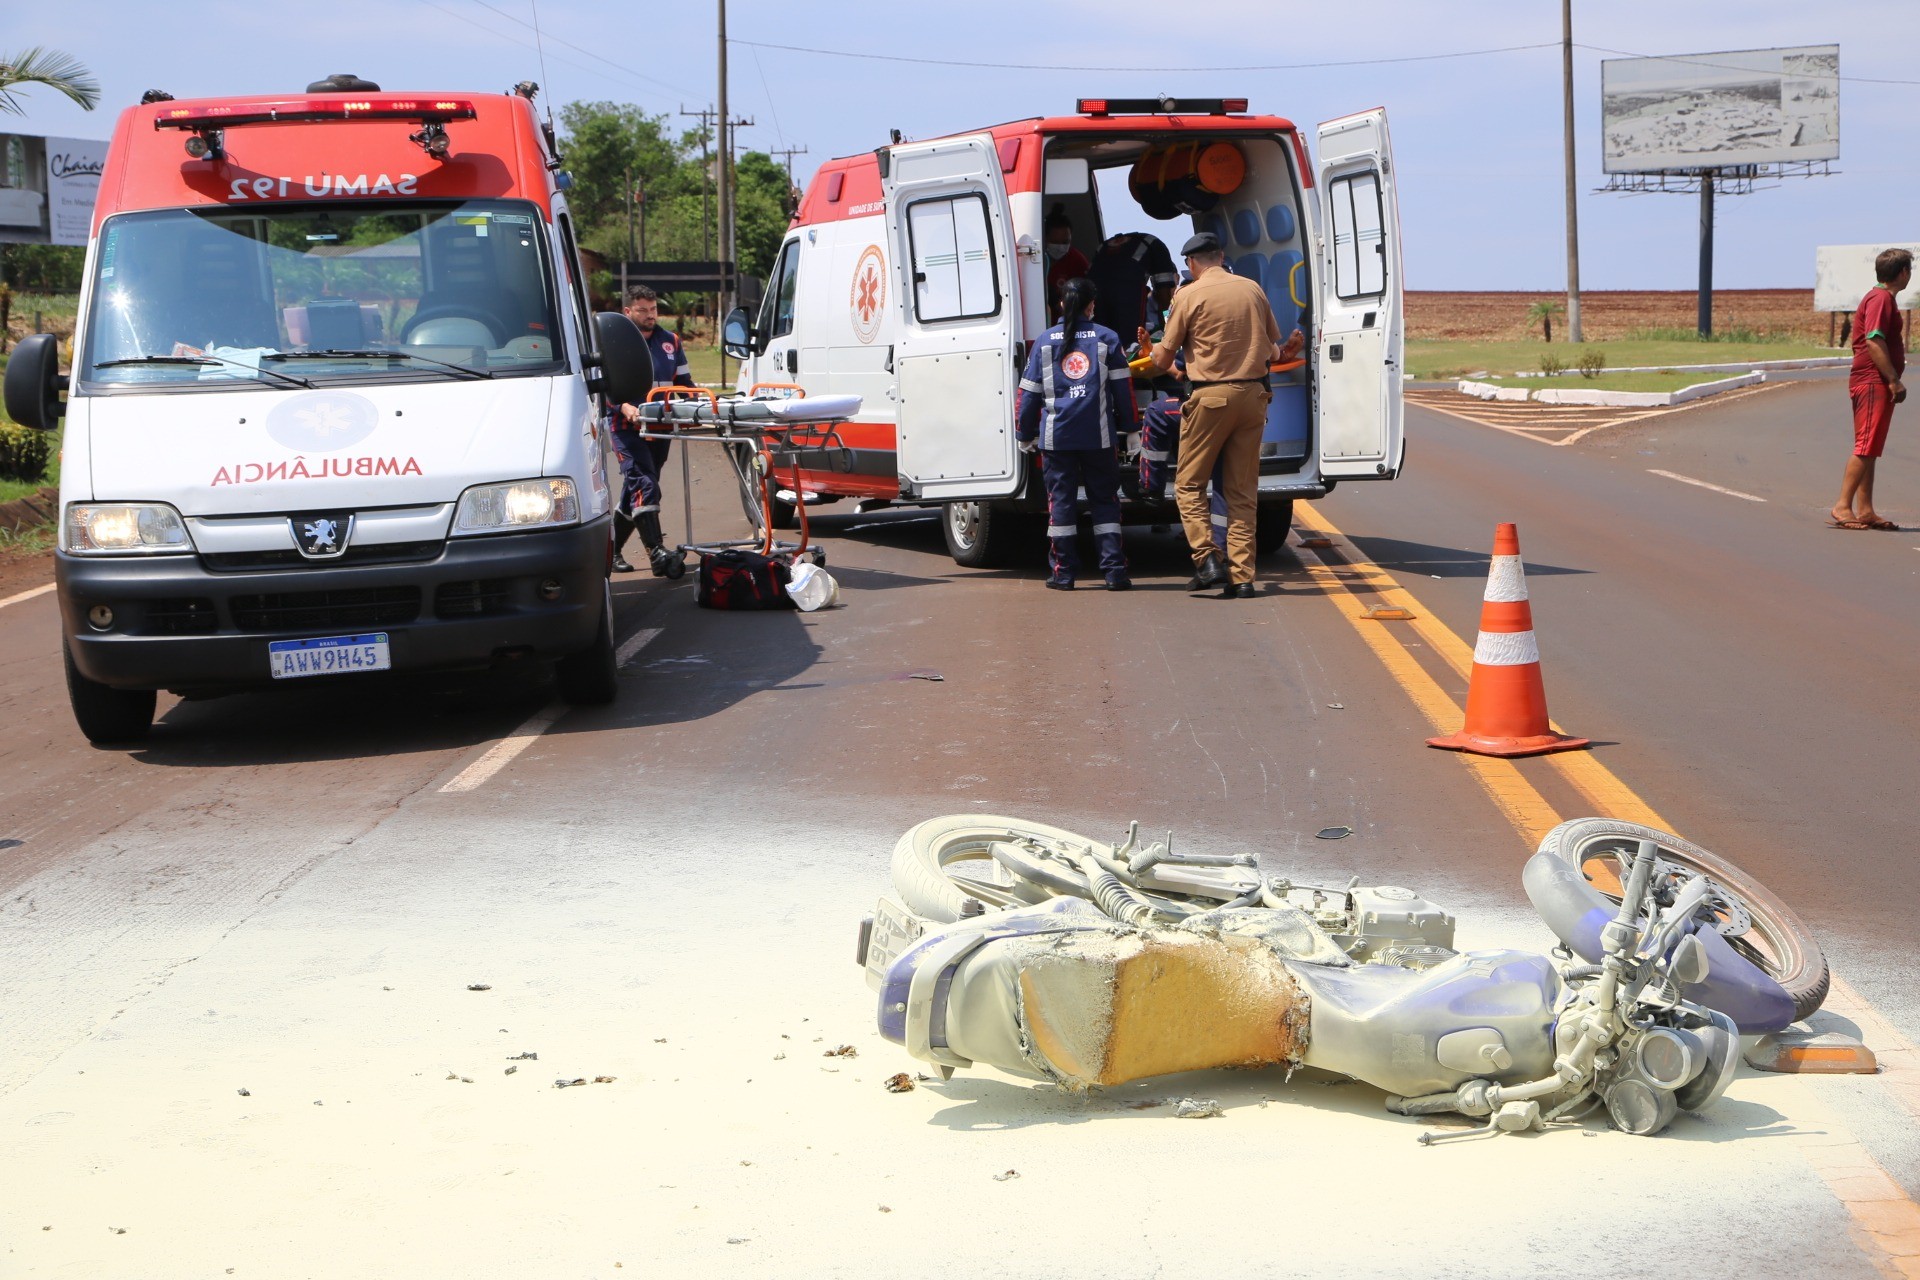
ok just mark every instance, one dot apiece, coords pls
pixel 916 277
pixel 334 407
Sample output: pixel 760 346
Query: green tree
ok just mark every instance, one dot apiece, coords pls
pixel 761 213
pixel 1544 312
pixel 61 72
pixel 605 143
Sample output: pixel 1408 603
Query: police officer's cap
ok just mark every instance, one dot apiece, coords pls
pixel 1204 242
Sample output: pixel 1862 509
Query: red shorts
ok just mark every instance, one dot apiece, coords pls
pixel 1872 415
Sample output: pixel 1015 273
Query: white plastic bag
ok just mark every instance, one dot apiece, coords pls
pixel 812 587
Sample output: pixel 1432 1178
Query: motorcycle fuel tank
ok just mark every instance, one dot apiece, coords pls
pixel 1385 1024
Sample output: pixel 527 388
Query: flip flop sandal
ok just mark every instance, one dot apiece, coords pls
pixel 1848 524
pixel 1888 525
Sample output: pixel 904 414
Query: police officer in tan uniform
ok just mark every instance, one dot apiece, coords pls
pixel 1227 328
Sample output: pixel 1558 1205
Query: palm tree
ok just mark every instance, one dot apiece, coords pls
pixel 61 72
pixel 1544 312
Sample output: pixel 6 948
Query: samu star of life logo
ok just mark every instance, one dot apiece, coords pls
pixel 321 537
pixel 868 300
pixel 1075 365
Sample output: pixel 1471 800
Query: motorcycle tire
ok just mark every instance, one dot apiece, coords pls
pixel 929 877
pixel 1785 951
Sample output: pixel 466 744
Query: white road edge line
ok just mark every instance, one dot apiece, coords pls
pixel 635 643
pixel 1731 493
pixel 26 595
pixel 501 754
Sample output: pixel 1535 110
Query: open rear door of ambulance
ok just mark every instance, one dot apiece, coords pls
pixel 948 219
pixel 1359 344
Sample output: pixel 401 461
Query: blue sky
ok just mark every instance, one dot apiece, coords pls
pixel 1477 139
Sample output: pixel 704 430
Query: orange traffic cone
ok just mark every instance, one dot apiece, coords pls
pixel 1506 701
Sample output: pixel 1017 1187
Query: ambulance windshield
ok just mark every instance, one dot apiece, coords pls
pixel 421 290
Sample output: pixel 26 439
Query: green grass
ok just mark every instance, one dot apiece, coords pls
pixel 1441 360
pixel 1664 380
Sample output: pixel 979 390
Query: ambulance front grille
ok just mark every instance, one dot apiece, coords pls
pixel 326 610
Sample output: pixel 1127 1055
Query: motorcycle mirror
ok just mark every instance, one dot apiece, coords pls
pixel 1689 964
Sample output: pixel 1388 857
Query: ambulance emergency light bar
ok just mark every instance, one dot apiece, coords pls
pixel 208 124
pixel 1160 106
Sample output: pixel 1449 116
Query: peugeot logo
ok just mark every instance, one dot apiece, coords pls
pixel 322 535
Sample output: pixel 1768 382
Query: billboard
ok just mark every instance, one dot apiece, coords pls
pixel 48 187
pixel 1717 110
pixel 1842 274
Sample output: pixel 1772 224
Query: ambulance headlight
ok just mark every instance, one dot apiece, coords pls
pixel 124 528
pixel 521 504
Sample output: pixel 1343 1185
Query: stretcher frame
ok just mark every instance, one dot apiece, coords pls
pixel 755 448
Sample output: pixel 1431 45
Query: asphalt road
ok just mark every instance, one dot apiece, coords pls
pixel 292 895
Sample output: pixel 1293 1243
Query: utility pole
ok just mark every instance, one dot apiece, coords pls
pixel 705 116
pixel 724 181
pixel 1573 215
pixel 787 154
pixel 1705 309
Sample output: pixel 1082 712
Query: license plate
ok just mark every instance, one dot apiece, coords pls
pixel 332 656
pixel 894 930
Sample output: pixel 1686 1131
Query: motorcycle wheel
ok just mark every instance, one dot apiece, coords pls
pixel 940 863
pixel 1759 926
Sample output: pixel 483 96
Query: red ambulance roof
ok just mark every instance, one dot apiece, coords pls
pixel 498 154
pixel 849 187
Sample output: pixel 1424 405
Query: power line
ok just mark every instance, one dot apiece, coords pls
pixel 501 35
pixel 1726 66
pixel 579 49
pixel 1044 66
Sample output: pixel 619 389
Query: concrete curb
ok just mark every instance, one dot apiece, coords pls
pixel 1742 366
pixel 1621 399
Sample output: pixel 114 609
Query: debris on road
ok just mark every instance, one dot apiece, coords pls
pixel 511 1070
pixel 885 1209
pixel 934 676
pixel 479 986
pixel 844 1051
pixel 1335 706
pixel 564 1083
pixel 246 1093
pixel 603 1079
pixel 1008 1176
pixel 1333 833
pixel 528 1056
pixel 901 1083
pixel 451 1075
pixel 1198 1109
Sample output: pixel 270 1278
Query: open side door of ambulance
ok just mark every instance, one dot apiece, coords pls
pixel 1360 339
pixel 950 228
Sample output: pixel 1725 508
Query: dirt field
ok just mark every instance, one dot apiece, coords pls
pixel 1610 315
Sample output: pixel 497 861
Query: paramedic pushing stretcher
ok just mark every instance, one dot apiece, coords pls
pixel 641 461
pixel 1076 407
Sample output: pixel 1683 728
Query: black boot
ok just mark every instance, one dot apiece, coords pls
pixel 648 523
pixel 622 530
pixel 1208 574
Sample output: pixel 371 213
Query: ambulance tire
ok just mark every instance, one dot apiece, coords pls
pixel 1271 526
pixel 983 535
pixel 591 678
pixel 783 515
pixel 107 716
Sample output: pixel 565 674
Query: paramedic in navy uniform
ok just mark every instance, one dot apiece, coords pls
pixel 1076 406
pixel 642 461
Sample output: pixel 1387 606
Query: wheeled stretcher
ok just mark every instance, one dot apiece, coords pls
pixel 760 434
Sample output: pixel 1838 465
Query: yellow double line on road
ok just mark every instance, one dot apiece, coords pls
pixel 1889 1221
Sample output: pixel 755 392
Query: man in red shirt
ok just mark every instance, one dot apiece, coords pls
pixel 1879 360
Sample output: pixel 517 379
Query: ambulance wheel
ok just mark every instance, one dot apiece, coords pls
pixel 591 677
pixel 980 535
pixel 107 715
pixel 1272 525
pixel 783 515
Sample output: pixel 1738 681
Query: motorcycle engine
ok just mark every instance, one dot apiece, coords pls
pixel 1391 925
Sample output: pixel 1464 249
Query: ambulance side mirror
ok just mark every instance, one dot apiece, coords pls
pixel 34 384
pixel 626 365
pixel 736 335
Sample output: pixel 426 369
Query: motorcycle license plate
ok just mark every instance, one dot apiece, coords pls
pixel 330 656
pixel 894 930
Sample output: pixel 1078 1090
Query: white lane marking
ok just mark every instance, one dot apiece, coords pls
pixel 1731 493
pixel 26 595
pixel 635 643
pixel 501 754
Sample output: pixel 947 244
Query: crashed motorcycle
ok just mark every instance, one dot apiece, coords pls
pixel 1054 956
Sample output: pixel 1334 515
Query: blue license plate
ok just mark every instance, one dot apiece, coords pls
pixel 331 656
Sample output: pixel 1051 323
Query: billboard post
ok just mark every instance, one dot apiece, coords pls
pixel 1718 121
